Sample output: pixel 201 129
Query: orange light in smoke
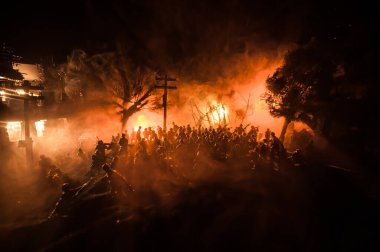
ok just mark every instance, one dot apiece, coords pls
pixel 20 92
pixel 40 127
pixel 2 93
pixel 141 121
pixel 14 131
pixel 219 113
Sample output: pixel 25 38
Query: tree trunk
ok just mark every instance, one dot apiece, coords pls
pixel 284 128
pixel 136 107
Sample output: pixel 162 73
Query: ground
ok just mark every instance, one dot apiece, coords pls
pixel 312 207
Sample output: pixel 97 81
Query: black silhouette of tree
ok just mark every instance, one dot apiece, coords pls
pixel 107 78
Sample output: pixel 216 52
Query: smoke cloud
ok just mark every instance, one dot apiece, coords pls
pixel 217 52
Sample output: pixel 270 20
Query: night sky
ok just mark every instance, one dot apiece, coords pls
pixel 174 30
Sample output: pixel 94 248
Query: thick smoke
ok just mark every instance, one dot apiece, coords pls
pixel 223 51
pixel 220 53
pixel 239 88
pixel 217 53
pixel 82 129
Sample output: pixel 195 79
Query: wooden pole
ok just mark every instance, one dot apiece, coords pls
pixel 28 139
pixel 165 97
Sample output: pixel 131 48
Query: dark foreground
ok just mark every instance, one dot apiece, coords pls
pixel 300 208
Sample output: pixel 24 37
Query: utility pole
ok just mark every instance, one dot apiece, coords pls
pixel 165 97
pixel 28 140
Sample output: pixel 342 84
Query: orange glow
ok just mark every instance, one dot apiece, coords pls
pixel 20 92
pixel 14 131
pixel 141 121
pixel 240 91
pixel 299 126
pixel 40 127
pixel 218 113
pixel 2 93
pixel 30 72
pixel 145 119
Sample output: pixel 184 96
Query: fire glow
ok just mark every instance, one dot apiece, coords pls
pixel 144 119
pixel 20 92
pixel 219 114
pixel 2 95
pixel 40 127
pixel 141 121
pixel 14 130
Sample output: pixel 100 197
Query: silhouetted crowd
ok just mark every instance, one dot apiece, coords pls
pixel 179 151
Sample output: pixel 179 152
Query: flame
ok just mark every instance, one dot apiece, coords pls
pixel 218 113
pixel 40 127
pixel 2 93
pixel 145 119
pixel 141 121
pixel 20 92
pixel 14 130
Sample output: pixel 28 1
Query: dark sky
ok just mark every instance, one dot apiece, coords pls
pixel 165 28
